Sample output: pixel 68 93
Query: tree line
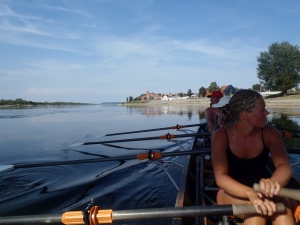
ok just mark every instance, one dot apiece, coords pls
pixel 20 101
pixel 278 70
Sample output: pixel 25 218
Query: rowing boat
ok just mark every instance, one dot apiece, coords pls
pixel 195 202
pixel 198 186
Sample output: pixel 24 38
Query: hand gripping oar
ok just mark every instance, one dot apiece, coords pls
pixel 96 216
pixel 177 127
pixel 284 192
pixel 151 155
pixel 163 137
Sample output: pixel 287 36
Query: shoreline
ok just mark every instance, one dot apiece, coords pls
pixel 288 101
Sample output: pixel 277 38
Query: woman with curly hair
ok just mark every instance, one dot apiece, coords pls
pixel 240 152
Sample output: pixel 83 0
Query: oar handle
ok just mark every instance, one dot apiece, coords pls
pixel 284 192
pixel 249 209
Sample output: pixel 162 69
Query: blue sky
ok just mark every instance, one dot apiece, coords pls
pixel 96 51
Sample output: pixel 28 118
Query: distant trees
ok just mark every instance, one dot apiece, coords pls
pixel 189 93
pixel 20 101
pixel 202 91
pixel 256 87
pixel 139 98
pixel 279 67
pixel 213 87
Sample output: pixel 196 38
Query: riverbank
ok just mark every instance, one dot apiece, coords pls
pixel 286 101
pixel 30 105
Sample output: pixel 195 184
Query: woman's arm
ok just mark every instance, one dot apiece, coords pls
pixel 283 172
pixel 209 116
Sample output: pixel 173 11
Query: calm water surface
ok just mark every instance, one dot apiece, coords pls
pixel 46 134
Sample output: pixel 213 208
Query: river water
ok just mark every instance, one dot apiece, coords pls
pixel 50 134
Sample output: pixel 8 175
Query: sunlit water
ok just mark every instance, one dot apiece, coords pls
pixel 49 134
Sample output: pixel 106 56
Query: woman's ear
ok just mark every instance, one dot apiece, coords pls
pixel 245 115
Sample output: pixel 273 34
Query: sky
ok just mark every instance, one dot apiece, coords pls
pixel 95 51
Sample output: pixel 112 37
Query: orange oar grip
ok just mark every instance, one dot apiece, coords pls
pixel 156 155
pixel 76 217
pixel 177 127
pixel 297 213
pixel 286 135
pixel 169 137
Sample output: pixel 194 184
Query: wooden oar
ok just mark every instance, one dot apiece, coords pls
pixel 97 216
pixel 142 156
pixel 127 148
pixel 289 135
pixel 177 127
pixel 163 137
pixel 287 129
pixel 284 192
pixel 150 155
pixel 293 150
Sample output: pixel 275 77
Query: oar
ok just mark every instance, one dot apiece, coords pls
pixel 142 156
pixel 127 148
pixel 167 137
pixel 150 155
pixel 287 129
pixel 293 150
pixel 97 216
pixel 284 192
pixel 289 135
pixel 163 137
pixel 177 127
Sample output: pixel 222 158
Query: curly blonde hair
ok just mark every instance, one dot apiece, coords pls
pixel 243 100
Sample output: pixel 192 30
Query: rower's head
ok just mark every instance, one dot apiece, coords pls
pixel 242 101
pixel 215 97
pixel 222 102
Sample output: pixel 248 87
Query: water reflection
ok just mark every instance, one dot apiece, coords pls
pixel 156 110
pixel 279 117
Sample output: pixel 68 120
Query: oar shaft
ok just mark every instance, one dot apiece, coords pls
pixel 157 213
pixel 289 135
pixel 199 151
pixel 284 192
pixel 293 150
pixel 107 159
pixel 155 129
pixel 147 138
pixel 192 211
pixel 287 129
pixel 136 214
pixel 52 219
pixel 74 162
pixel 122 140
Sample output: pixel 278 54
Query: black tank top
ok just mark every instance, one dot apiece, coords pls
pixel 248 171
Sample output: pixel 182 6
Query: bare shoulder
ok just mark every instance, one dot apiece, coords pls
pixel 273 139
pixel 219 136
pixel 270 131
pixel 207 110
pixel 220 132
